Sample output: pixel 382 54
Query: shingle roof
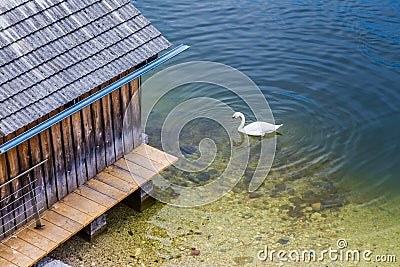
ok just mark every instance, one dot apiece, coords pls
pixel 53 51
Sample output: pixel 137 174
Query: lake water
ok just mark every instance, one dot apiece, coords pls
pixel 330 71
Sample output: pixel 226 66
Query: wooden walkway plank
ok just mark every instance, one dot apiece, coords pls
pixel 25 248
pixel 155 154
pixel 95 196
pixel 53 232
pixel 106 189
pixel 83 204
pixel 116 182
pixel 37 240
pixel 144 162
pixel 70 212
pixel 140 173
pixel 6 263
pixel 120 173
pixel 61 221
pixel 14 256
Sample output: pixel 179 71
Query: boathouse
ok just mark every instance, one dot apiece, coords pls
pixel 68 71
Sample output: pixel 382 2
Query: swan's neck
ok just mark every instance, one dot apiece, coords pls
pixel 243 121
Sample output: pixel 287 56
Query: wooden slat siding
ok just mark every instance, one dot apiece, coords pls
pixel 69 157
pixel 37 173
pixel 4 192
pixel 136 109
pixel 58 160
pixel 89 141
pixel 24 159
pixel 98 126
pixel 108 127
pixel 49 178
pixel 117 122
pixel 127 117
pixel 79 148
pixel 13 170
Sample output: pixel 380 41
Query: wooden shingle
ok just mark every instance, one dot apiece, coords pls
pixel 53 51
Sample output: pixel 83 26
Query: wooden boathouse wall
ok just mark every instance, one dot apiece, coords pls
pixel 77 149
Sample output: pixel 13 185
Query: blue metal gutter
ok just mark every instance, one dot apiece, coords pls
pixel 90 100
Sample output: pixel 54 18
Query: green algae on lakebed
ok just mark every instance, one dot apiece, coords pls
pixel 231 231
pixel 304 210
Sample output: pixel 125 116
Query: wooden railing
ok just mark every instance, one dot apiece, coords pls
pixel 28 197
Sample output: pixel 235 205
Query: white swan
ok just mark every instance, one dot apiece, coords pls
pixel 258 128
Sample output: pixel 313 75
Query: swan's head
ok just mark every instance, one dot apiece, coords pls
pixel 235 115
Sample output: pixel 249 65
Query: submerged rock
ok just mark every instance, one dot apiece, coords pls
pixel 280 187
pixel 296 201
pixel 317 206
pixel 255 195
pixel 290 191
pixel 283 241
pixel 295 213
pixel 188 150
pixel 316 216
pixel 333 203
pixel 203 177
pixel 194 252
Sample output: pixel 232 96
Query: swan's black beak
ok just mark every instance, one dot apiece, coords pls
pixel 233 119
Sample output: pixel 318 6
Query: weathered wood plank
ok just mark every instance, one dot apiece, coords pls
pixel 79 148
pixel 4 197
pixel 89 140
pixel 123 174
pixel 6 263
pixel 108 130
pixel 140 173
pixel 14 256
pixel 25 248
pixel 106 189
pixel 53 232
pixel 49 179
pixel 68 147
pixel 127 117
pixel 24 158
pixel 70 212
pixel 99 136
pixel 117 123
pixel 145 162
pixel 61 221
pixel 155 154
pixel 58 160
pixel 37 174
pixel 14 170
pixel 136 111
pixel 84 205
pixel 95 196
pixel 37 240
pixel 114 181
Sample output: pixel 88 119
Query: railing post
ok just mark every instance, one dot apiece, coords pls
pixel 39 224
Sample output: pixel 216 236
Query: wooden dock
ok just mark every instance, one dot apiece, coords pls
pixel 79 208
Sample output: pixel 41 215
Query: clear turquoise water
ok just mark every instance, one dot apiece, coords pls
pixel 330 71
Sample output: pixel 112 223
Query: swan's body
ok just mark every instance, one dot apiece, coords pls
pixel 258 128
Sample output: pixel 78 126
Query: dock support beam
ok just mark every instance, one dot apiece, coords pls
pixel 140 199
pixel 98 226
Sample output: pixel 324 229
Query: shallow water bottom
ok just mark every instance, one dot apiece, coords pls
pixel 232 230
